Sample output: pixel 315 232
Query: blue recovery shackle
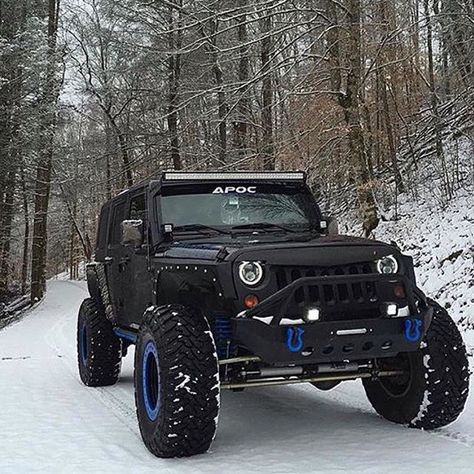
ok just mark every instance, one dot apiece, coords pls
pixel 294 339
pixel 412 330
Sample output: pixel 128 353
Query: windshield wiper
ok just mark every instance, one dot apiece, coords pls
pixel 201 228
pixel 263 226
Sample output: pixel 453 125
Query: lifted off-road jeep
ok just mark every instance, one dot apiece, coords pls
pixel 236 280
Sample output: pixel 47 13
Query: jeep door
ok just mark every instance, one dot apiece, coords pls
pixel 135 279
pixel 114 256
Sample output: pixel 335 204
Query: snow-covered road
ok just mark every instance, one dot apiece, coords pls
pixel 50 422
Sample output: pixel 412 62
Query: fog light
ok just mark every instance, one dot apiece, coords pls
pixel 312 315
pixel 392 309
pixel 250 301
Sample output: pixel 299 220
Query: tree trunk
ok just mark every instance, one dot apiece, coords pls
pixel 6 224
pixel 434 103
pixel 351 102
pixel 390 135
pixel 11 27
pixel 222 107
pixel 127 170
pixel 26 237
pixel 72 244
pixel 388 79
pixel 43 169
pixel 174 74
pixel 240 125
pixel 108 156
pixel 267 149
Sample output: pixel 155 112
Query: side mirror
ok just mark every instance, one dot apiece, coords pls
pixel 132 232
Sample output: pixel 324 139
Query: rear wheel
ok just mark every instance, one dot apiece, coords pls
pixel 176 382
pixel 434 388
pixel 99 350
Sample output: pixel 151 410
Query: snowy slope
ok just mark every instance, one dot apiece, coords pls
pixel 52 423
pixel 441 241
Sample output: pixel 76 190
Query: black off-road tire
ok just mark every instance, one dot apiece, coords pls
pixel 435 393
pixel 176 382
pixel 99 350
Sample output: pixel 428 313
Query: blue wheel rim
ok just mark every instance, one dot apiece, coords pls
pixel 151 380
pixel 83 343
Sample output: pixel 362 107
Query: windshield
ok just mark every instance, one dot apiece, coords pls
pixel 229 206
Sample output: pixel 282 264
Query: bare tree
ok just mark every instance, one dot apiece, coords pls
pixel 45 157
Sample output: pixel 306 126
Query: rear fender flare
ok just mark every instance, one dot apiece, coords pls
pixel 98 288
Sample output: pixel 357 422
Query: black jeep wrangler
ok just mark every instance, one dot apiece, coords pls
pixel 236 280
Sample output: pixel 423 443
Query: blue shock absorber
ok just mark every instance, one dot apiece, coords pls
pixel 223 336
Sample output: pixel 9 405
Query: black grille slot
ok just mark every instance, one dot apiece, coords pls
pixel 299 295
pixel 343 293
pixel 295 274
pixel 328 294
pixel 357 292
pixel 366 268
pixel 281 278
pixel 314 294
pixel 371 291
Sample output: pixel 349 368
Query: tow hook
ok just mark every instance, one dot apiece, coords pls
pixel 412 330
pixel 294 339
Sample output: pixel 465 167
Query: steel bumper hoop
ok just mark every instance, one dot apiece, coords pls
pixel 261 330
pixel 278 304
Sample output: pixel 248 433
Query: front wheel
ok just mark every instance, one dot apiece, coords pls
pixel 433 391
pixel 176 382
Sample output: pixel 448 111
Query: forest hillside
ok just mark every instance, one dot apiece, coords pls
pixel 372 99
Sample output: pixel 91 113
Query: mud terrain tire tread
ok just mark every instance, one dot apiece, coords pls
pixel 188 383
pixel 104 348
pixel 440 389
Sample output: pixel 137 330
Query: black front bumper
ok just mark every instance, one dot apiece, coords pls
pixel 330 341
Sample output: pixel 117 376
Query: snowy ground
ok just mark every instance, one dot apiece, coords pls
pixel 52 423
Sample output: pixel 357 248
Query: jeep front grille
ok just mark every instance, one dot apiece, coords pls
pixel 287 275
pixel 338 301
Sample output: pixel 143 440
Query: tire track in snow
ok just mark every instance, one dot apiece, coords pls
pixel 114 403
pixel 457 436
pixel 59 341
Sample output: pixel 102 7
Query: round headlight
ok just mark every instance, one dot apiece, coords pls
pixel 387 265
pixel 251 273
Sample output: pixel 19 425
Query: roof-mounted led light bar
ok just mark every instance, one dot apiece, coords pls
pixel 240 175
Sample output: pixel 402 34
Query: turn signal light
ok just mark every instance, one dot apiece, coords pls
pixel 399 291
pixel 250 301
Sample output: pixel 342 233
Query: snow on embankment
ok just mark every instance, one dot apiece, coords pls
pixel 441 243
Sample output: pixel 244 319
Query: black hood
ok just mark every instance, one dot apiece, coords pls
pixel 320 251
pixel 325 251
